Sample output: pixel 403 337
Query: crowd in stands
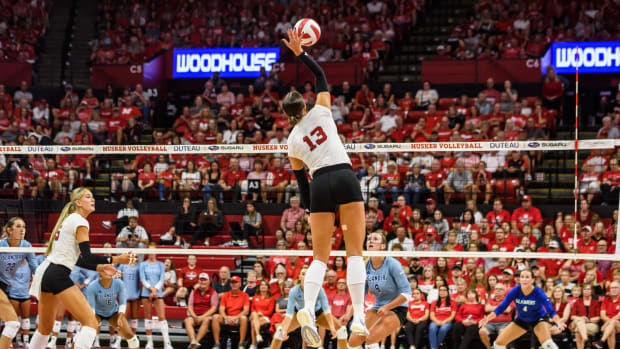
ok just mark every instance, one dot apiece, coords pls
pixel 22 27
pixel 520 29
pixel 132 33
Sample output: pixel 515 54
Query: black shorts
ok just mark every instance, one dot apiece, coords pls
pixel 4 287
pixel 332 186
pixel 529 326
pixel 106 318
pixel 56 279
pixel 401 312
pixel 20 300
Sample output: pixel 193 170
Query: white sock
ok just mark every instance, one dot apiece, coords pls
pixel 53 340
pixel 313 283
pixel 372 346
pixel 133 342
pixel 356 281
pixel 163 327
pixel 38 341
pixel 149 338
pixel 26 338
pixel 134 324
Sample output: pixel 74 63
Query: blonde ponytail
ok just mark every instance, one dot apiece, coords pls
pixel 69 208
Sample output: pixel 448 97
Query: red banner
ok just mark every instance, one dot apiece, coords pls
pixel 467 72
pixel 117 75
pixel 12 74
pixel 336 72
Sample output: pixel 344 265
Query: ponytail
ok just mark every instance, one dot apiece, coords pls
pixel 69 208
pixel 293 120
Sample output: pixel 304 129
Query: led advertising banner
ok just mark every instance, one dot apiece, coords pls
pixel 589 57
pixel 229 62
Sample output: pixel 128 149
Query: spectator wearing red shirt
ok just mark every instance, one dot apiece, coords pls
pixel 417 319
pixel 168 181
pixel 610 182
pixel 389 182
pixel 527 214
pixel 24 180
pixel 146 181
pixel 231 181
pixel 280 180
pixel 498 215
pixel 53 178
pixel 498 270
pixel 340 303
pixel 331 287
pixel 466 321
pixel 233 313
pixel 501 241
pixel 115 127
pixel 442 312
pixel 500 322
pixel 587 244
pixel 610 314
pixel 263 306
pixel 552 90
pixel 435 179
pixel 187 279
pixel 363 98
pixel 202 304
pixel 585 316
pixel 551 267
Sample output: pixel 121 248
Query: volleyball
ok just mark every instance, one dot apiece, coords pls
pixel 308 30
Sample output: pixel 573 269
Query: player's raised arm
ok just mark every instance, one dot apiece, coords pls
pixel 294 44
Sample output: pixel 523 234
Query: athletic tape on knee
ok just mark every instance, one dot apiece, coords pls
pixel 85 338
pixel 497 346
pixel 134 323
pixel 278 334
pixel 25 324
pixel 342 333
pixel 10 329
pixel 148 324
pixel 133 342
pixel 549 344
pixel 71 326
pixel 56 328
pixel 356 270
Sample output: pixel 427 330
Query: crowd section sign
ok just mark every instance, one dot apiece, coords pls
pixel 588 57
pixel 229 62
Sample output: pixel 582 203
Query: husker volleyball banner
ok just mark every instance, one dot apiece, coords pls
pixel 229 62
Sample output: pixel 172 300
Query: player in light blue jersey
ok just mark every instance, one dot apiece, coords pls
pixel 108 299
pixel 533 311
pixel 386 279
pixel 20 299
pixel 152 276
pixel 322 312
pixel 9 264
pixel 131 279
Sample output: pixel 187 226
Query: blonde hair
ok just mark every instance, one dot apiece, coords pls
pixel 9 225
pixel 69 208
pixel 563 299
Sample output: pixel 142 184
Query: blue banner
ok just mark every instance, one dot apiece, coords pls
pixel 589 57
pixel 229 62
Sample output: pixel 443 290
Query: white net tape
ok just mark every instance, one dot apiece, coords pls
pixel 281 148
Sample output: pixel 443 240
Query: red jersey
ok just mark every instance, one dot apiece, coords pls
pixel 476 311
pixel 115 123
pixel 390 177
pixel 339 304
pixel 522 216
pixel 147 177
pixel 503 317
pixel 265 306
pixel 280 176
pixel 435 179
pixel 168 176
pixel 234 303
pixel 613 177
pixel 56 173
pixel 189 276
pixel 497 218
pixel 587 248
pixel 418 309
pixel 25 178
pixel 610 307
pixel 203 301
pixel 444 135
pixel 443 311
pixel 330 291
pixel 234 177
pixel 552 266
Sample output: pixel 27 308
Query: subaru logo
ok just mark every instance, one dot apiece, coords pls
pixel 65 148
pixel 213 147
pixel 533 144
pixel 369 146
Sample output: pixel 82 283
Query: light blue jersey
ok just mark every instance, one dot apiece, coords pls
pixel 40 259
pixel 131 279
pixel 296 301
pixel 20 283
pixel 530 308
pixel 387 282
pixel 81 276
pixel 152 275
pixel 107 301
pixel 10 262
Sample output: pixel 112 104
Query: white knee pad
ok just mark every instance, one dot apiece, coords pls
pixel 56 328
pixel 278 334
pixel 133 342
pixel 496 346
pixel 549 344
pixel 148 324
pixel 134 323
pixel 71 326
pixel 342 333
pixel 373 346
pixel 25 324
pixel 10 329
pixel 85 338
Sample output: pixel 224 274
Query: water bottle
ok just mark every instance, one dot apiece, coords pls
pixel 228 344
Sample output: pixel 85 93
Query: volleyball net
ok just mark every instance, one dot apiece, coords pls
pixel 546 174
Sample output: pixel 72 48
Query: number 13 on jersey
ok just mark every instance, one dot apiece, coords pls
pixel 318 135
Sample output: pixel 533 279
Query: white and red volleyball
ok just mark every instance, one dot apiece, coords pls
pixel 308 30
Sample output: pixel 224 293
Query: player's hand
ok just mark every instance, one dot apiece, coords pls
pixel 383 311
pixel 109 270
pixel 561 325
pixel 483 322
pixel 127 258
pixel 293 42
pixel 284 336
